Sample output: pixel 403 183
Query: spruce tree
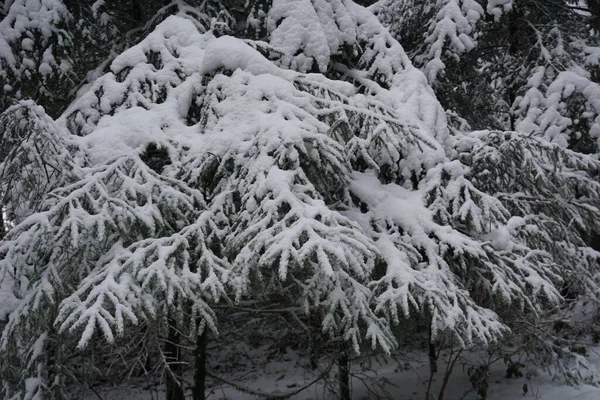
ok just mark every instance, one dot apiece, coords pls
pixel 524 65
pixel 288 149
pixel 528 67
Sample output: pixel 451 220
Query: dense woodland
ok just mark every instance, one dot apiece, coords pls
pixel 182 182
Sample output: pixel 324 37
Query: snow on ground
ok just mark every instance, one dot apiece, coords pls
pixel 400 381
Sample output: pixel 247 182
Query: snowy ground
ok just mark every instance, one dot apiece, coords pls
pixel 284 377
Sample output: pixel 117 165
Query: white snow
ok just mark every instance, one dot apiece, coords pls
pixel 404 379
pixel 26 18
pixel 451 31
pixel 299 163
pixel 543 110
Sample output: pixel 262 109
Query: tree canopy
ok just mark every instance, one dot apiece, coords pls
pixel 429 163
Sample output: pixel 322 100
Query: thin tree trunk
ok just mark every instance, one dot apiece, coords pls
pixel 2 227
pixel 344 372
pixel 449 370
pixel 433 356
pixel 432 353
pixel 594 8
pixel 174 384
pixel 200 366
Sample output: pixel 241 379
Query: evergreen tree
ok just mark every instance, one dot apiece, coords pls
pixel 304 158
pixel 50 49
pixel 523 65
pixel 526 66
pixel 34 56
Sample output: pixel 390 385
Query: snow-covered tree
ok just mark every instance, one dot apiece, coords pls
pixel 34 51
pixel 34 159
pixel 527 66
pixel 530 66
pixel 50 49
pixel 307 160
pixel 552 194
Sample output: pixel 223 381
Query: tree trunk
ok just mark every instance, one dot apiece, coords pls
pixel 344 372
pixel 174 383
pixel 2 227
pixel 433 367
pixel 200 366
pixel 432 353
pixel 449 369
pixel 594 8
